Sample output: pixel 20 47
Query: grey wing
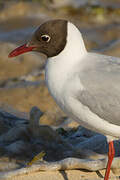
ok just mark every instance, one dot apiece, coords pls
pixel 101 80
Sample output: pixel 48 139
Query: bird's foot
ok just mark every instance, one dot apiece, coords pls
pixel 111 154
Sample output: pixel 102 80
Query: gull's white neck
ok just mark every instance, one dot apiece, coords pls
pixel 74 49
pixel 60 67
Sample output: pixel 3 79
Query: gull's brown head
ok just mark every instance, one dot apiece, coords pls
pixel 49 39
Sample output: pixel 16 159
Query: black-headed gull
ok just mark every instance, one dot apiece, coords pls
pixel 85 85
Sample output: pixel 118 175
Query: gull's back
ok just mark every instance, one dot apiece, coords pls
pixel 100 77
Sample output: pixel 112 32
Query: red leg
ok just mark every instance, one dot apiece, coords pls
pixel 111 153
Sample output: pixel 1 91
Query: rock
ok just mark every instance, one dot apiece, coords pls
pixel 41 131
pixel 13 134
pixel 22 144
pixel 17 147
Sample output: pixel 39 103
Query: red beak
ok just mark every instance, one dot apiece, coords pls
pixel 20 50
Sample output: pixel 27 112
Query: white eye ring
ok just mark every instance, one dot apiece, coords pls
pixel 45 38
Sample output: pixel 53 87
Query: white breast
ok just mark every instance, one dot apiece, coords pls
pixel 56 78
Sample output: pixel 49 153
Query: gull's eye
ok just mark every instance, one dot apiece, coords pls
pixel 45 37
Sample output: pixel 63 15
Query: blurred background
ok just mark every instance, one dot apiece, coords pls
pixel 22 79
